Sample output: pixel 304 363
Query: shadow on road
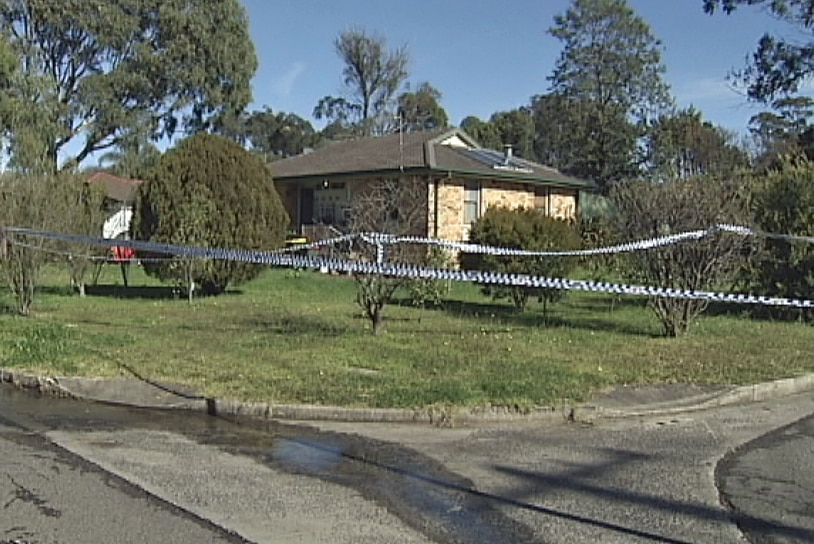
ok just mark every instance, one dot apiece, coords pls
pixel 572 479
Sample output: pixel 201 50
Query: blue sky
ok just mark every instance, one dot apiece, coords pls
pixel 487 56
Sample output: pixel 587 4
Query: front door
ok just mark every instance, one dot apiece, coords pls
pixel 306 206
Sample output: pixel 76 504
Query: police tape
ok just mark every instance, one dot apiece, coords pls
pixel 409 271
pixel 381 240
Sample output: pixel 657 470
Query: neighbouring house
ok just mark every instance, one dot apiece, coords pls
pixel 121 195
pixel 461 179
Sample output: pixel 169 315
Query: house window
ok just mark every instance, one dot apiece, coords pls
pixel 471 202
pixel 330 198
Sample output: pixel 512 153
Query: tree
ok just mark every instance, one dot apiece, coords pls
pixel 209 191
pixel 581 139
pixel 271 135
pixel 610 70
pixel 372 76
pixel 8 72
pixel 133 157
pixel 420 110
pixel 388 206
pixel 96 70
pixel 516 129
pixel 647 210
pixel 558 124
pixel 484 132
pixel 684 145
pixel 527 229
pixel 779 66
pixel 783 131
pixel 279 135
pixel 513 127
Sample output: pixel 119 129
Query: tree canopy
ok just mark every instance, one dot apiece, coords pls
pixel 484 132
pixel 513 128
pixel 610 72
pixel 372 76
pixel 779 65
pixel 421 110
pixel 95 70
pixel 279 135
pixel 269 134
pixel 683 145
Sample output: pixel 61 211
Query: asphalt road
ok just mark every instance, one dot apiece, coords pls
pixel 639 480
pixel 644 479
pixel 770 483
pixel 50 496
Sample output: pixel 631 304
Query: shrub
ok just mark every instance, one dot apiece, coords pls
pixel 45 203
pixel 388 206
pixel 428 292
pixel 784 204
pixel 87 218
pixel 208 191
pixel 650 210
pixel 527 229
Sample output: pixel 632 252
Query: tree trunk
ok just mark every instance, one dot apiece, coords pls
pixel 377 320
pixel 125 272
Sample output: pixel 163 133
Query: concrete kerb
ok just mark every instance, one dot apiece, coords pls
pixel 733 395
pixel 148 395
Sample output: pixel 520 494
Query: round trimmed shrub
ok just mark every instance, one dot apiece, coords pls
pixel 209 192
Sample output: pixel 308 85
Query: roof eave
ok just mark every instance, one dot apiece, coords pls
pixel 389 172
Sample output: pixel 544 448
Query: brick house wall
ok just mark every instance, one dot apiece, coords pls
pixel 445 202
pixel 560 203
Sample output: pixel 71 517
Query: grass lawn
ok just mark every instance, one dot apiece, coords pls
pixel 298 337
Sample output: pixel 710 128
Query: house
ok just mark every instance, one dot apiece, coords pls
pixel 121 195
pixel 461 180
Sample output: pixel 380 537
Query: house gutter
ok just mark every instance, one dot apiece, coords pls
pixel 449 173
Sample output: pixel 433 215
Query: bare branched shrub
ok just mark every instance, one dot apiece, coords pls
pixel 388 206
pixel 38 203
pixel 86 217
pixel 647 210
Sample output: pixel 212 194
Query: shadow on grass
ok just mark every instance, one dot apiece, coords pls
pixel 152 292
pixel 606 302
pixel 165 292
pixel 600 321
pixel 760 313
pixel 58 290
pixel 294 325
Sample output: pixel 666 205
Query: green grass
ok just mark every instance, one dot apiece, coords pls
pixel 298 337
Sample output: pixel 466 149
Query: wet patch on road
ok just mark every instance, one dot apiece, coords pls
pixel 420 491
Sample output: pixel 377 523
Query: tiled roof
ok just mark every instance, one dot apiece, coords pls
pixel 412 151
pixel 118 188
pixel 358 155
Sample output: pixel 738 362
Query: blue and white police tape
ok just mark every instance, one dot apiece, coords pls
pixel 380 240
pixel 409 271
